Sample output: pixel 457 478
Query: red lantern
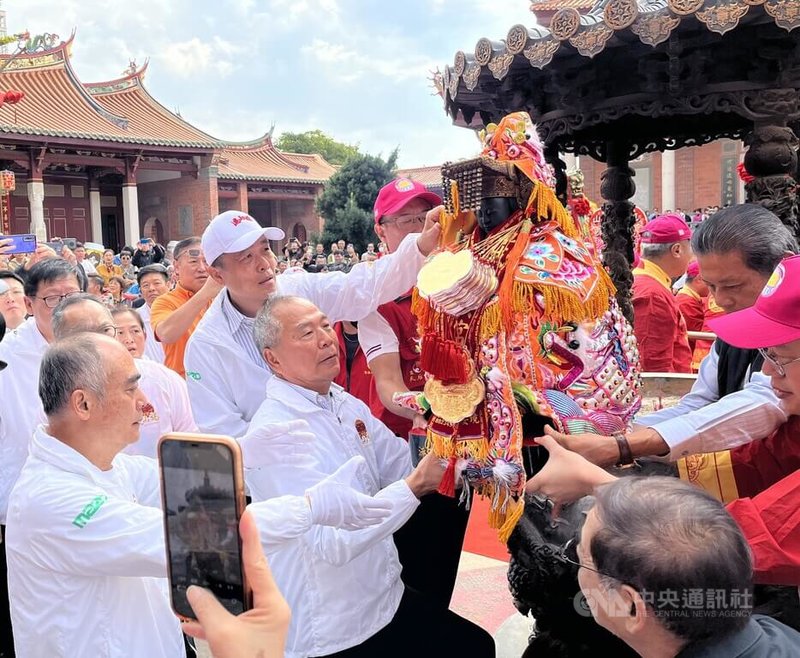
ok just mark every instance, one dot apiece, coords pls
pixel 8 181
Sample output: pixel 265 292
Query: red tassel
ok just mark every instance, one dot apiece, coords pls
pixel 445 360
pixel 447 487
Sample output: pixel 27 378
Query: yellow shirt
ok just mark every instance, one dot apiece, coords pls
pixel 108 272
pixel 652 270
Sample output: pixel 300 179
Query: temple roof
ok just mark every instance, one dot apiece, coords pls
pixel 57 104
pixel 260 160
pixel 428 176
pixel 555 5
pixel 146 117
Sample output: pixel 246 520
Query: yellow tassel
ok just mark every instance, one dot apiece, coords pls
pixel 512 516
pixel 490 321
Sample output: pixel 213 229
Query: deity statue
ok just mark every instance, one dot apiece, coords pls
pixel 518 323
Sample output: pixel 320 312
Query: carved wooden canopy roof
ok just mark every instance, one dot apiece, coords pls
pixel 660 74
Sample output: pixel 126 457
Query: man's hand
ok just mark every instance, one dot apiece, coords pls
pixel 335 503
pixel 566 476
pixel 419 422
pixel 272 444
pixel 428 240
pixel 67 255
pixel 6 245
pixel 43 252
pixel 425 478
pixel 210 289
pixel 257 633
pixel 596 448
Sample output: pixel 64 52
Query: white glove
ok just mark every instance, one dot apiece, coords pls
pixel 270 445
pixel 335 503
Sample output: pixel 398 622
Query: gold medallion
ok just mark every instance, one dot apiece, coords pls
pixel 455 402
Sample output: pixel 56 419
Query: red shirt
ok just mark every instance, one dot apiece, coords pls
pixel 657 322
pixel 399 317
pixel 358 382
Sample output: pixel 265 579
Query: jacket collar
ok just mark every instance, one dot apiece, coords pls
pixel 29 337
pixel 686 290
pixel 302 399
pixel 58 454
pixel 652 270
pixel 732 645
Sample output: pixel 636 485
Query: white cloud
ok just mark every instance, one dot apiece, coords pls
pixel 189 58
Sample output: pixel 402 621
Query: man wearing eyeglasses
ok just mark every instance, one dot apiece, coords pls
pixel 46 284
pixel 174 315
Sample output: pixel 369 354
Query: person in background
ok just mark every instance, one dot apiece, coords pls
pixel 691 300
pixel 12 300
pixel 320 264
pixel 107 269
pixel 282 267
pixel 116 287
pixel 351 257
pixel 147 252
pixel 175 314
pixel 354 375
pixel 338 263
pixel 657 322
pixel 153 282
pixel 95 284
pixel 333 252
pixel 85 263
pixel 128 268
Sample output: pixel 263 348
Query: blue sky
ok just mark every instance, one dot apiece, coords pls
pixel 358 70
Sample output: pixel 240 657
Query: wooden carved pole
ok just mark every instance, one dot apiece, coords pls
pixel 772 159
pixel 617 187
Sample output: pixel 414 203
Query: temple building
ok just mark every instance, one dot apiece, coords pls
pixel 106 162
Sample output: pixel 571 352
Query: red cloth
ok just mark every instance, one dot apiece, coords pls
pixel 771 523
pixel 692 309
pixel 359 383
pixel 399 317
pixel 659 327
pixel 703 347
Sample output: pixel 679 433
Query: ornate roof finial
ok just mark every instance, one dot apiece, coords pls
pixel 132 68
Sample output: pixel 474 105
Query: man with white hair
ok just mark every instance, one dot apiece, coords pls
pixel 225 371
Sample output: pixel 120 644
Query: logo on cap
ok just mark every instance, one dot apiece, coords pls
pixel 403 185
pixel 239 219
pixel 774 281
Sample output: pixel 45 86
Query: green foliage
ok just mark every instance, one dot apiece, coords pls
pixel 316 141
pixel 346 203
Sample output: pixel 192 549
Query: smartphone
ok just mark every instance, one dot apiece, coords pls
pixel 21 244
pixel 56 245
pixel 202 492
pixel 71 243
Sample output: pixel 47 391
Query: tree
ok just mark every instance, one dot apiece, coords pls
pixel 316 141
pixel 346 203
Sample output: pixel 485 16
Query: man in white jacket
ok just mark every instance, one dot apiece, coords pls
pixel 85 531
pixel 225 371
pixel 344 589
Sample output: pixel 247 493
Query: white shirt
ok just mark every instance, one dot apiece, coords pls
pixel 342 587
pixel 20 406
pixel 168 408
pixel 152 348
pixel 376 337
pixel 86 559
pixel 705 422
pixel 88 266
pixel 226 381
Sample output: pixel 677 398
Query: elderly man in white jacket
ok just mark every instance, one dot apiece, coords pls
pixel 225 372
pixel 85 531
pixel 344 589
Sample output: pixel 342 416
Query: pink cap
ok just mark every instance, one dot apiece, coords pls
pixel 233 231
pixel 396 194
pixel 693 270
pixel 774 318
pixel 665 229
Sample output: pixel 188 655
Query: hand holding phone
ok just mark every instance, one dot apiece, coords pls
pixel 202 489
pixel 17 244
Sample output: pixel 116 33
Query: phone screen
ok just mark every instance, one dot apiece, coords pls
pixel 202 522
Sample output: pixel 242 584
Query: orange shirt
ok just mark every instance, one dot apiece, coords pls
pixel 108 272
pixel 162 308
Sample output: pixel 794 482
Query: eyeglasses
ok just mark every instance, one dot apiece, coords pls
pixel 405 220
pixel 108 329
pixel 51 301
pixel 780 366
pixel 563 557
pixel 194 253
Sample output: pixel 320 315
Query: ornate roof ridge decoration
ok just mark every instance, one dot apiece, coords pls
pixel 132 78
pixel 652 21
pixel 38 51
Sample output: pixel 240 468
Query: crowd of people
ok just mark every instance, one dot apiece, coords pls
pixel 223 335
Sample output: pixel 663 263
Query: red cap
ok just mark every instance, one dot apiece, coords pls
pixel 693 270
pixel 773 320
pixel 665 229
pixel 395 195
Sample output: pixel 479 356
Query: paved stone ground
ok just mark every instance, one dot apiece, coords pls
pixel 481 595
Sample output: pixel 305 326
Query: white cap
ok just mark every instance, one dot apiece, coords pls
pixel 233 231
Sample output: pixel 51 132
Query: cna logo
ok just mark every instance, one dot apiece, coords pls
pixel 240 218
pixel 774 281
pixel 404 185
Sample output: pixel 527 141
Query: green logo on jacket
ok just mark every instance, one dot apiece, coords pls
pixel 193 375
pixel 89 511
